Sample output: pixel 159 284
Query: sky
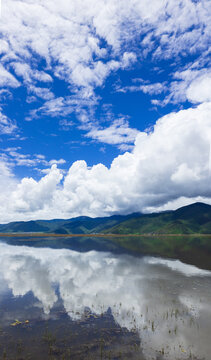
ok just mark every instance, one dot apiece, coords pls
pixel 105 107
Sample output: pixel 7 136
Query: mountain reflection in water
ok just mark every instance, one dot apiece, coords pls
pixel 165 301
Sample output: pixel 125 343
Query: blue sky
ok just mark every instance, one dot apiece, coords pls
pixel 100 82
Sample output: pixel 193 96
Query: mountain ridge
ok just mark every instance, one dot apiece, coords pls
pixel 193 218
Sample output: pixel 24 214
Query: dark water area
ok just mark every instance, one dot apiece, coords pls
pixel 80 244
pixel 192 249
pixel 82 299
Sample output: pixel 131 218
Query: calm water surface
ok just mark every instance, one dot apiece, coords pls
pixel 59 303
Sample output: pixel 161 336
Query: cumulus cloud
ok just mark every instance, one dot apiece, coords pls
pixel 169 163
pixel 8 183
pixel 200 89
pixel 32 195
pixel 81 43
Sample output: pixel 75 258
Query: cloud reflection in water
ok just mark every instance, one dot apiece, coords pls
pixel 166 301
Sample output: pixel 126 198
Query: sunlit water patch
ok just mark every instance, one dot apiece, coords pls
pixel 162 306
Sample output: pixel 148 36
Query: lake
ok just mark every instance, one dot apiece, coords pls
pixel 90 299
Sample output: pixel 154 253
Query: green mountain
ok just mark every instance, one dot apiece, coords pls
pixel 78 225
pixel 194 218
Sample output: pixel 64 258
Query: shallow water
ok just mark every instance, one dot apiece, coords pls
pixel 101 305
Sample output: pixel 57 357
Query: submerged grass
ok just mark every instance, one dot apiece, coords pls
pixel 99 337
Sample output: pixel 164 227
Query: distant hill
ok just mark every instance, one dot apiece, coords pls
pixel 78 225
pixel 194 218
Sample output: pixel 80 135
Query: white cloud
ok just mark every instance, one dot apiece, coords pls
pixel 117 133
pixel 125 147
pixel 200 89
pixel 7 79
pixel 43 93
pixel 180 201
pixel 63 106
pixel 150 89
pixel 30 75
pixel 67 37
pixel 66 34
pixel 167 165
pixel 57 162
pixel 32 195
pixel 8 183
pixel 190 84
pixel 14 157
pixel 7 126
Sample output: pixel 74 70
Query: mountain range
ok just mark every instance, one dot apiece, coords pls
pixel 194 218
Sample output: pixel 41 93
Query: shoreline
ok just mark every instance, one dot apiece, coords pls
pixel 97 235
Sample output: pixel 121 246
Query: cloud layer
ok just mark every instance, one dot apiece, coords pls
pixel 168 167
pixel 82 42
